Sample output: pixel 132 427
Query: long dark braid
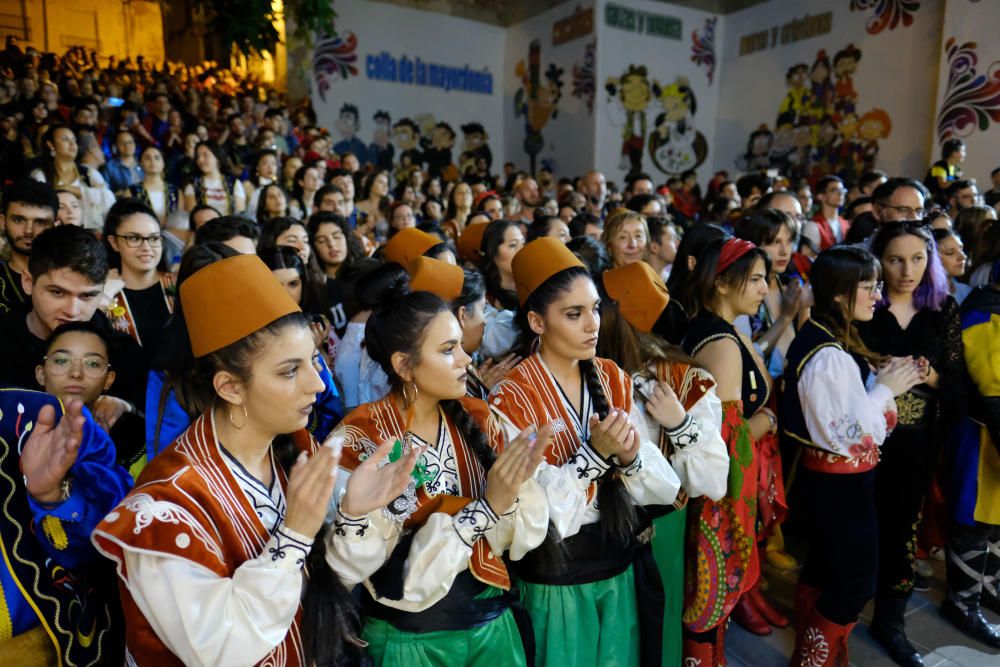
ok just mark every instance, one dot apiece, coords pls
pixel 619 520
pixel 474 436
pixel 330 620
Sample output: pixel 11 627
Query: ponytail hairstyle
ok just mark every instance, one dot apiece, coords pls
pixel 700 289
pixel 619 519
pixel 692 245
pixel 330 619
pixel 399 324
pixel 841 270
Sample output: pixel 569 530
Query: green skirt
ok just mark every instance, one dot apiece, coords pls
pixel 668 550
pixel 586 625
pixel 495 644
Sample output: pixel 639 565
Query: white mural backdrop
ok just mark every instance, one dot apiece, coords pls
pixel 657 89
pixel 968 100
pixel 549 90
pixel 399 85
pixel 814 86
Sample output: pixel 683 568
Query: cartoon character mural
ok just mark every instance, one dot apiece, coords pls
pixel 348 124
pixel 818 128
pixel 676 146
pixel 381 150
pixel 438 154
pixel 629 95
pixel 406 137
pixel 845 64
pixel 474 148
pixel 584 75
pixel 536 100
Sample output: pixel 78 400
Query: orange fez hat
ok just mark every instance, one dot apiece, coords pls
pixel 471 241
pixel 230 299
pixel 408 244
pixel 537 262
pixel 640 293
pixel 432 275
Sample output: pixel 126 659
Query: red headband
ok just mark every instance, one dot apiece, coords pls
pixel 732 250
pixel 483 196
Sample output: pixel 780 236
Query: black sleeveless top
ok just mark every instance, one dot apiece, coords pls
pixel 707 327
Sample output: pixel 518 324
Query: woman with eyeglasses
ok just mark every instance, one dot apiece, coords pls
pixel 918 319
pixel 838 412
pixel 140 288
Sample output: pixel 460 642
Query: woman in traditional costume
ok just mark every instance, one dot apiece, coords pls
pixel 583 587
pixel 916 318
pixel 212 543
pixel 729 280
pixel 435 587
pixel 839 413
pixel 683 416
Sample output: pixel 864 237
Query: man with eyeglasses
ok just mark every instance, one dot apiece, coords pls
pixel 29 208
pixel 899 199
pixel 66 273
pixel 827 228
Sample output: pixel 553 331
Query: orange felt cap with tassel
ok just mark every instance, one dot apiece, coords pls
pixel 640 293
pixel 537 262
pixel 230 299
pixel 470 242
pixel 408 244
pixel 433 275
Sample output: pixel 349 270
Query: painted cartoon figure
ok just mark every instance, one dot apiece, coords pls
pixel 820 101
pixel 381 150
pixel 474 147
pixel 406 137
pixel 348 124
pixel 676 145
pixel 633 91
pixel 873 126
pixel 794 105
pixel 845 64
pixel 536 100
pixel 758 152
pixel 438 155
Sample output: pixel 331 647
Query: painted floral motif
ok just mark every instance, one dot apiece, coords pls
pixel 887 13
pixel 972 99
pixel 584 76
pixel 334 58
pixel 816 651
pixel 703 47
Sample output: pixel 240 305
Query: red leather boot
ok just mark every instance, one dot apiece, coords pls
pixel 770 613
pixel 823 643
pixel 805 600
pixel 698 654
pixel 745 613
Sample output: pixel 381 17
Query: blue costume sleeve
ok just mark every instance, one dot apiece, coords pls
pixel 174 422
pixel 99 484
pixel 329 409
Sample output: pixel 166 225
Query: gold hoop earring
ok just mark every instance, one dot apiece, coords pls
pixel 245 417
pixel 406 399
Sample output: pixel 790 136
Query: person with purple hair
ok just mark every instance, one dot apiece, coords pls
pixel 916 318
